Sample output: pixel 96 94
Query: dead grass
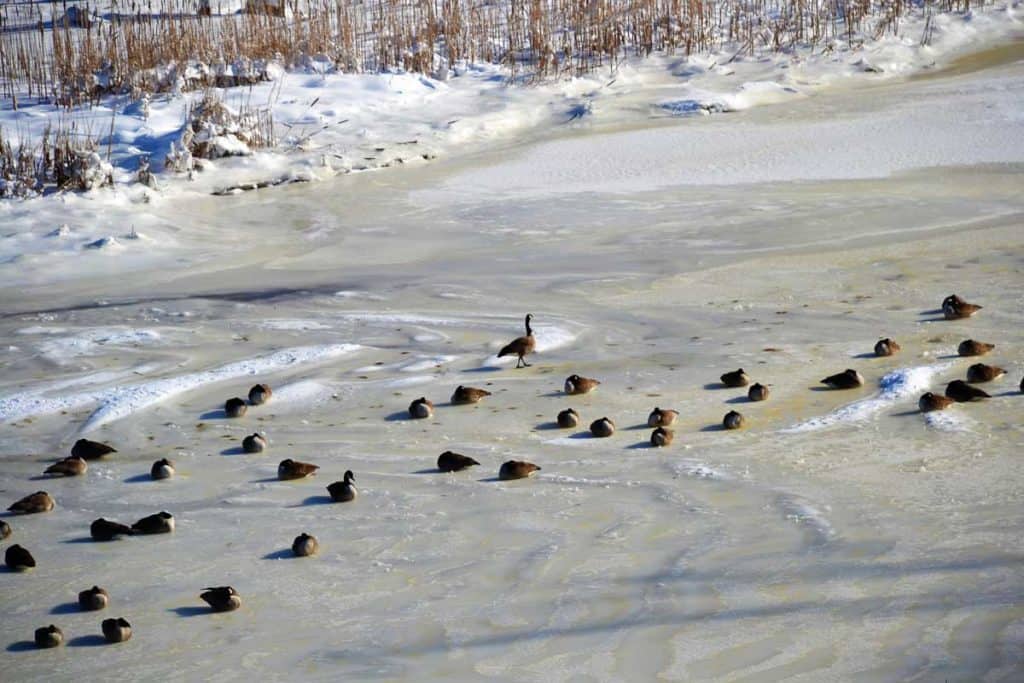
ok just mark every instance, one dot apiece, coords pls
pixel 165 45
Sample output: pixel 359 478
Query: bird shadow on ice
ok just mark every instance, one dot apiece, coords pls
pixel 640 444
pixel 234 450
pixel 400 416
pixel 190 611
pixel 217 414
pixel 712 428
pixel 82 539
pixel 138 478
pixel 66 608
pixel 489 479
pixel 282 554
pixel 432 470
pixel 639 427
pixel 265 480
pixel 905 413
pixel 91 640
pixel 863 355
pixel 547 426
pixel 739 399
pixel 931 311
pixel 484 368
pixel 1011 392
pixel 22 646
pixel 716 386
pixel 553 394
pixel 826 389
pixel 314 500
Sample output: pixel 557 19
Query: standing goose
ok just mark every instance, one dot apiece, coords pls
pixel 930 402
pixel 254 443
pixel 116 630
pixel 69 467
pixel 421 409
pixel 521 346
pixel 466 395
pixel 602 428
pixel 568 418
pixel 979 372
pixel 293 469
pixel 105 530
pixel 733 420
pixel 222 598
pixel 49 636
pixel 886 347
pixel 18 559
pixel 955 308
pixel 758 392
pixel 260 394
pixel 735 379
pixel 305 545
pixel 847 379
pixel 235 407
pixel 93 599
pixel 160 523
pixel 162 469
pixel 970 347
pixel 343 491
pixel 962 392
pixel 91 450
pixel 454 462
pixel 516 469
pixel 662 437
pixel 662 418
pixel 576 385
pixel 40 501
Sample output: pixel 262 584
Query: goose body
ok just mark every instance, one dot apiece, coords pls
pixel 736 378
pixel 602 428
pixel 453 462
pixel 962 392
pixel 49 636
pixel 568 418
pixel 576 385
pixel 662 418
pixel 979 372
pixel 293 469
pixel 466 395
pixel 162 469
pixel 343 491
pixel 955 308
pixel 254 443
pixel 930 402
pixel 160 523
pixel 662 437
pixel 116 630
pixel 886 347
pixel 68 467
pixel 235 407
pixel 516 469
pixel 305 545
pixel 847 379
pixel 970 347
pixel 221 598
pixel 40 501
pixel 733 420
pixel 91 450
pixel 105 530
pixel 18 559
pixel 521 346
pixel 758 392
pixel 421 409
pixel 93 599
pixel 260 394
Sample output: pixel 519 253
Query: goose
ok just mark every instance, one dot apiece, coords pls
pixel 91 450
pixel 160 523
pixel 293 469
pixel 466 395
pixel 305 545
pixel 260 394
pixel 962 392
pixel 930 402
pixel 886 347
pixel 421 409
pixel 662 437
pixel 453 462
pixel 576 385
pixel 40 501
pixel 235 407
pixel 758 392
pixel 5 529
pixel 116 630
pixel 521 346
pixel 105 530
pixel 979 372
pixel 69 467
pixel 49 636
pixel 602 428
pixel 568 418
pixel 221 598
pixel 254 443
pixel 733 420
pixel 517 469
pixel 847 379
pixel 662 418
pixel 162 469
pixel 970 347
pixel 736 378
pixel 18 559
pixel 955 308
pixel 343 491
pixel 93 599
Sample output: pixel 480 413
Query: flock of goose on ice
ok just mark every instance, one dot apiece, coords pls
pixel 226 598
